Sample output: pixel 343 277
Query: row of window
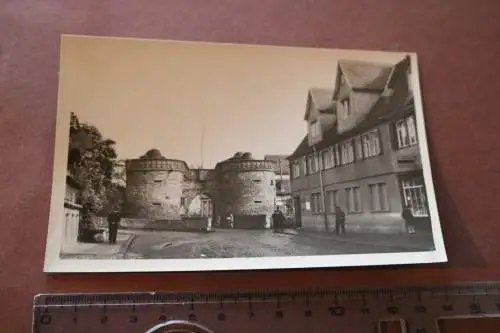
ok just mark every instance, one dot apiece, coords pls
pixel 358 148
pixel 352 199
pixel 355 149
pixel 413 191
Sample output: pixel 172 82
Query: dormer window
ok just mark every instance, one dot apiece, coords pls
pixel 314 129
pixel 345 108
pixel 295 169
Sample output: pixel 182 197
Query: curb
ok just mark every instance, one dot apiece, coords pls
pixel 125 247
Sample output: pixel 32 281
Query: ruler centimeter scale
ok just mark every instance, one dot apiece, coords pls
pixel 473 307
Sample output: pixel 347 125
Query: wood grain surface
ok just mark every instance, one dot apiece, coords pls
pixel 458 43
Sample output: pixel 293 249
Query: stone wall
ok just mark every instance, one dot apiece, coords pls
pixel 193 224
pixel 154 194
pixel 167 190
pixel 246 193
pixel 187 224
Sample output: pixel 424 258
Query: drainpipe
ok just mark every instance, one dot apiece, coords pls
pixel 322 190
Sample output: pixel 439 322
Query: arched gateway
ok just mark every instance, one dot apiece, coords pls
pixel 167 190
pixel 201 205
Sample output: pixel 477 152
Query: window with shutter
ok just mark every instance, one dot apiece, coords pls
pixel 406 132
pixel 332 200
pixel 353 199
pixel 378 197
pixel 338 157
pixel 304 165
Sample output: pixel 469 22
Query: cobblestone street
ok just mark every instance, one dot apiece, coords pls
pixel 226 243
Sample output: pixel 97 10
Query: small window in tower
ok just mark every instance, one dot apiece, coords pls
pixel 272 182
pixel 258 201
pixel 157 203
pixel 257 180
pixel 183 201
pixel 157 180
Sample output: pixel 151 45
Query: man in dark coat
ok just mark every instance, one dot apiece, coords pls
pixel 278 219
pixel 113 223
pixel 339 220
pixel 409 219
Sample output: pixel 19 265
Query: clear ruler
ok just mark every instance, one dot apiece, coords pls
pixel 414 309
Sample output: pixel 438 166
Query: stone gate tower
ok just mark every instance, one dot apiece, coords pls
pixel 246 190
pixel 154 186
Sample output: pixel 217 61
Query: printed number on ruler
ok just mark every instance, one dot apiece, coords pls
pixel 411 309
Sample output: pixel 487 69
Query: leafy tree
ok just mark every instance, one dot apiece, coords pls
pixel 91 162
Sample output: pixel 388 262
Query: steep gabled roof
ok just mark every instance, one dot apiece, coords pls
pixel 321 99
pixel 361 75
pixel 302 148
pixel 387 108
pixel 399 69
pixel 365 75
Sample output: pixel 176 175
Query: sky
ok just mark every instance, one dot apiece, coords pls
pixel 198 102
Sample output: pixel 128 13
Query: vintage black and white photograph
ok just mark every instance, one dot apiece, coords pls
pixel 188 156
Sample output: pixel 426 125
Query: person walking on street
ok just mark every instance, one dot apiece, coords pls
pixel 409 219
pixel 113 223
pixel 230 221
pixel 278 219
pixel 339 220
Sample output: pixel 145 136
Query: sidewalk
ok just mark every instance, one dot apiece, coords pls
pixel 102 250
pixel 419 242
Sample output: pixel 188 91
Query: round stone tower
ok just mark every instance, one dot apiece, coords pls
pixel 246 190
pixel 154 186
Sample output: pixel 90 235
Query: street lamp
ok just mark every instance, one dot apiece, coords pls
pixel 322 190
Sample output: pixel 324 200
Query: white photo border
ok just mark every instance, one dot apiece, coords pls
pixel 55 264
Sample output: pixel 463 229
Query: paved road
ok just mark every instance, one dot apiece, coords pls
pixel 224 243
